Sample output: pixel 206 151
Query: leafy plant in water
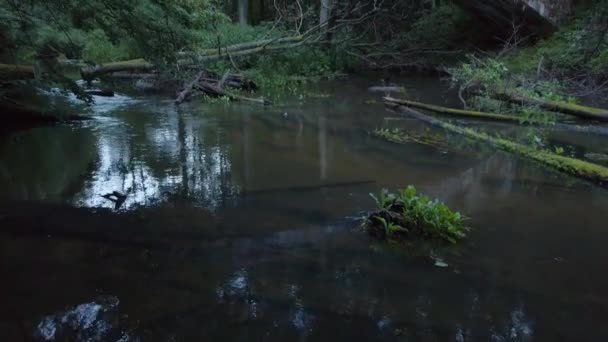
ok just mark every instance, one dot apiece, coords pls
pixel 408 213
pixel 384 200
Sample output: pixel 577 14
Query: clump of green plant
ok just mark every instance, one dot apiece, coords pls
pixel 407 215
pixel 484 74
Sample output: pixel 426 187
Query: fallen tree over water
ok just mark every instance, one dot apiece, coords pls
pixel 497 117
pixel 194 60
pixel 575 167
pixel 584 112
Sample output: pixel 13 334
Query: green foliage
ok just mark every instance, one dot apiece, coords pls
pixel 578 47
pixel 157 29
pixel 99 49
pixel 488 73
pixel 441 28
pixel 226 33
pixel 384 200
pixel 406 213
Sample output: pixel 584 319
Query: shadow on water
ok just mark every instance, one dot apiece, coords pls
pixel 240 224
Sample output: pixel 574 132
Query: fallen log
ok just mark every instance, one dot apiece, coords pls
pixel 185 93
pixel 141 65
pixel 575 167
pixel 498 117
pixel 566 108
pixel 454 112
pixel 241 46
pixel 134 65
pixel 216 91
pixel 386 89
pixel 11 72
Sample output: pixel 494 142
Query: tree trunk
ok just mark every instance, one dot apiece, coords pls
pixel 243 10
pixel 256 11
pixel 325 11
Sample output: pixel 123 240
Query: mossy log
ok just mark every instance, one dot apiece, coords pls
pixel 11 72
pixel 575 167
pixel 566 108
pixel 496 117
pixel 454 112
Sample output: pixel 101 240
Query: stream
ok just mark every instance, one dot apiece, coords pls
pixel 241 223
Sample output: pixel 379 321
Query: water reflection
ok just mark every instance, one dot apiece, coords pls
pixel 93 321
pixel 241 238
pixel 181 158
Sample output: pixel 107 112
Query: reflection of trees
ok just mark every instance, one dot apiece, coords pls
pixel 176 157
pixel 309 293
pixel 47 163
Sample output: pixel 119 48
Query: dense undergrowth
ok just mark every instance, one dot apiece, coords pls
pixel 569 64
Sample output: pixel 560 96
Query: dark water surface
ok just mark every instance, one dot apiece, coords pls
pixel 241 224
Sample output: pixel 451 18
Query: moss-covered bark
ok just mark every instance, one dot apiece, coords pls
pixel 455 112
pixel 566 108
